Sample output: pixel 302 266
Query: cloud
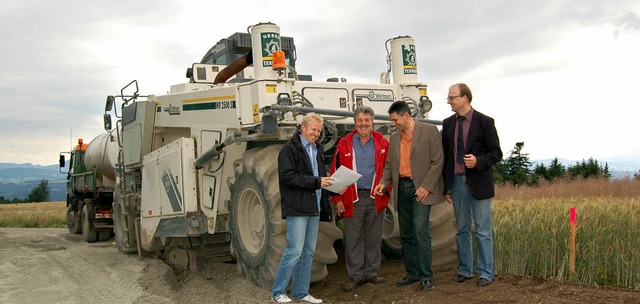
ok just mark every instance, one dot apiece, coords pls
pixel 61 59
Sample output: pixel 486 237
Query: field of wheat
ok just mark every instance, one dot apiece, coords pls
pixel 34 215
pixel 532 231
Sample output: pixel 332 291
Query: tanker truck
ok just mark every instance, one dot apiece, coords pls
pixel 197 177
pixel 90 185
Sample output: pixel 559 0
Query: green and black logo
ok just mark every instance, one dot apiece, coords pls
pixel 409 59
pixel 270 43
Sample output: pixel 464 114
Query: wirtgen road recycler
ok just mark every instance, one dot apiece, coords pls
pixel 197 171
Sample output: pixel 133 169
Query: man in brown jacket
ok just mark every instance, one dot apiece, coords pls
pixel 414 168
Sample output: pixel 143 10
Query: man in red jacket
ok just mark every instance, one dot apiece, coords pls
pixel 363 151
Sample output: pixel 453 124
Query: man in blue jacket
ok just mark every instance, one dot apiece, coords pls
pixel 302 175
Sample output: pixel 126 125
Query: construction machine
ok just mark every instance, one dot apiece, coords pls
pixel 197 172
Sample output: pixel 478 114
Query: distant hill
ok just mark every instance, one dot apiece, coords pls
pixel 17 180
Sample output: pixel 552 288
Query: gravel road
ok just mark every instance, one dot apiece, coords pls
pixel 51 265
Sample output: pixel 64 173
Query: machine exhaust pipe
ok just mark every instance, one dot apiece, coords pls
pixel 234 68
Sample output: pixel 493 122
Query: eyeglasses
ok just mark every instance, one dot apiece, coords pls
pixel 450 98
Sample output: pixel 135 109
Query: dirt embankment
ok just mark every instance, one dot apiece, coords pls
pixel 53 266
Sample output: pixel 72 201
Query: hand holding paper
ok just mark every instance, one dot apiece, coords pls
pixel 343 177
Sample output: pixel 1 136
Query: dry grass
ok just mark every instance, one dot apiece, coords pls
pixel 531 231
pixel 34 215
pixel 629 188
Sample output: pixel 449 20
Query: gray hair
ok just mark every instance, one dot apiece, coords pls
pixel 364 110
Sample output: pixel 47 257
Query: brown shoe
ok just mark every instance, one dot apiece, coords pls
pixel 352 285
pixel 376 280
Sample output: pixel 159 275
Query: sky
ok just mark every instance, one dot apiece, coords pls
pixel 559 76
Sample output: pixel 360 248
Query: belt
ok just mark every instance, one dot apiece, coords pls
pixel 406 178
pixel 365 190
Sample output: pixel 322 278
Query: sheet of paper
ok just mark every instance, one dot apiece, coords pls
pixel 343 178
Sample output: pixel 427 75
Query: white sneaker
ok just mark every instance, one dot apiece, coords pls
pixel 310 299
pixel 283 298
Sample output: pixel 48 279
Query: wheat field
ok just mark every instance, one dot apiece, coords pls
pixel 532 228
pixel 34 215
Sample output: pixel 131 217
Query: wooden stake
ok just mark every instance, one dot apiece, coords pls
pixel 572 241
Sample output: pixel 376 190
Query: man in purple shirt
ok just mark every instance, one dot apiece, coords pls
pixel 471 148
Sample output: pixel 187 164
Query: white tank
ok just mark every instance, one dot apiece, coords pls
pixel 102 153
pixel 403 59
pixel 265 39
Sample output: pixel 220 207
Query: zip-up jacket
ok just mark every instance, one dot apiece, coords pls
pixel 344 156
pixel 297 183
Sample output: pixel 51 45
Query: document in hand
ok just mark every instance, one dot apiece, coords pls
pixel 343 177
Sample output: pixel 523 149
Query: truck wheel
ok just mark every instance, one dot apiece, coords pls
pixel 88 233
pixel 443 236
pixel 258 232
pixel 73 220
pixel 104 235
pixel 120 224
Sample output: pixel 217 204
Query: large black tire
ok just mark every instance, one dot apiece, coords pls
pixel 443 235
pixel 121 224
pixel 258 232
pixel 73 220
pixel 88 233
pixel 104 235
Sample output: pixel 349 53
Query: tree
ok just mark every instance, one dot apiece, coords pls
pixel 499 171
pixel 39 193
pixel 554 171
pixel 516 168
pixel 589 168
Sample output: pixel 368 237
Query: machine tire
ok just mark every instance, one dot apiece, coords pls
pixel 258 232
pixel 104 235
pixel 119 223
pixel 443 236
pixel 73 220
pixel 88 233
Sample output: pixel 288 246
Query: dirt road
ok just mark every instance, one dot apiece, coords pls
pixel 53 266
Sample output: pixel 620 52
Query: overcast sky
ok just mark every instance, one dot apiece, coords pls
pixel 560 76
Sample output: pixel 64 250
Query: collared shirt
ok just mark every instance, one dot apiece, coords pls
pixel 466 124
pixel 312 150
pixel 405 154
pixel 364 156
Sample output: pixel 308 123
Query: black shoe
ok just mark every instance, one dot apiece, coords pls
pixel 426 285
pixel 483 282
pixel 460 278
pixel 406 281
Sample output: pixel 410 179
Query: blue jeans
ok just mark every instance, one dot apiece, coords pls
pixel 415 236
pixel 302 236
pixel 466 208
